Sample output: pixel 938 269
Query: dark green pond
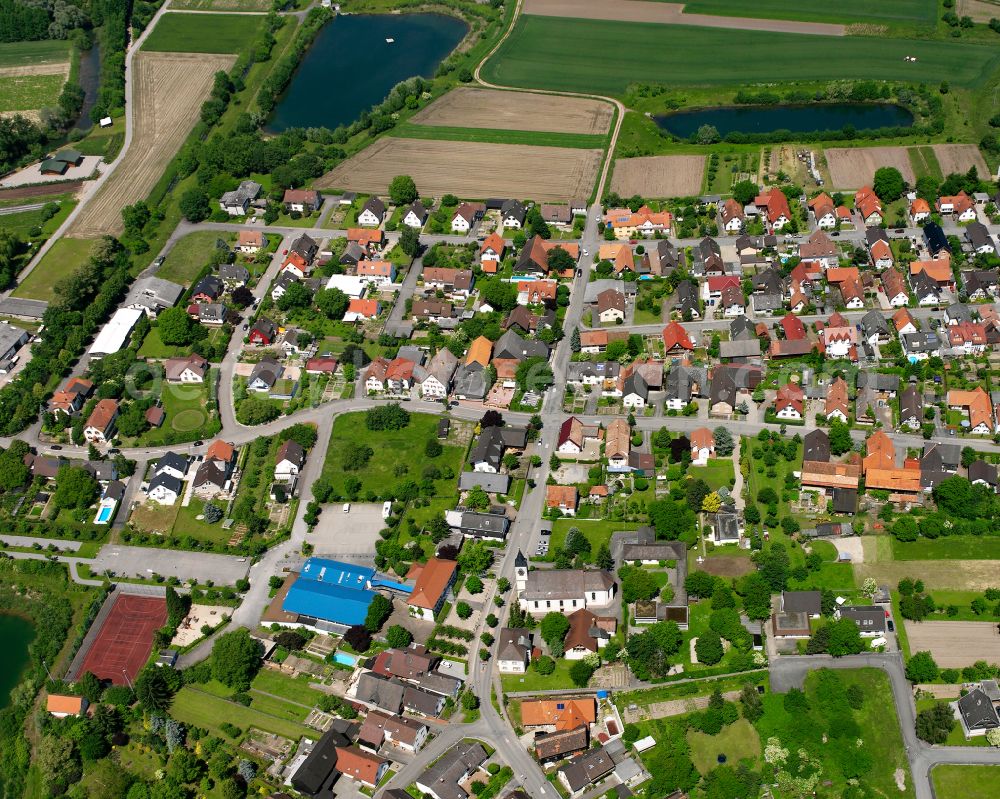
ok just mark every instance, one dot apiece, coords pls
pixel 351 67
pixel 794 118
pixel 16 634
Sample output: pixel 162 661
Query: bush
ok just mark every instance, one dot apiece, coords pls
pixel 463 610
pixel 544 665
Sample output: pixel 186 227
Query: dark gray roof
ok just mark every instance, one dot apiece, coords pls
pixel 318 771
pixel 267 370
pixel 873 322
pixel 977 711
pixel 511 345
pixel 381 692
pixel 935 238
pixel 845 500
pixel 869 618
pixel 981 470
pixel 681 380
pixel 911 404
pixel 808 602
pixel 941 456
pixel 816 446
pixel 588 768
pixel 489 482
pixel 168 481
pixel 470 381
pixel 978 236
pixel 873 234
pixel 485 525
pixel 443 777
pixel 878 381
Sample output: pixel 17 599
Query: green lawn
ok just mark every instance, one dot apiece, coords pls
pixel 845 12
pixel 23 54
pixel 531 680
pixel 188 523
pixel 200 709
pixel 965 782
pixel 582 140
pixel 597 532
pixel 294 688
pixel 189 256
pixel 63 258
pixel 737 741
pixel 203 33
pixel 959 547
pixel 187 416
pixel 30 92
pixel 398 455
pixel 278 707
pixel 718 473
pixel 605 57
pixel 21 224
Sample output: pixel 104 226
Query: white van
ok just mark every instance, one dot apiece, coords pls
pixel 347 507
pixel 386 509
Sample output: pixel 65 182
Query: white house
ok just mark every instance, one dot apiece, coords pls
pixel 514 650
pixel 165 489
pixel 288 461
pixel 562 590
pixel 372 214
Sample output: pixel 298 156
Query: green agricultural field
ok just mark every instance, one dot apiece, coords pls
pixel 30 92
pixel 605 57
pixel 23 223
pixel 386 467
pixel 846 12
pixel 203 33
pixel 961 547
pixel 25 54
pixel 64 258
pixel 583 141
pixel 967 782
pixel 189 256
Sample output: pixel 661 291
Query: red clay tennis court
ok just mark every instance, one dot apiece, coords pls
pixel 125 639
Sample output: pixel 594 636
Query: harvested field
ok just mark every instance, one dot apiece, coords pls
pixel 727 565
pixel 58 68
pixel 938 575
pixel 470 169
pixel 955 643
pixel 852 168
pixel 659 176
pixel 669 14
pixel 489 108
pixel 169 91
pixel 221 5
pixel 980 10
pixel 960 157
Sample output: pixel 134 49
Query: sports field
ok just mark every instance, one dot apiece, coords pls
pixel 846 11
pixel 202 33
pixel 598 56
pixel 125 639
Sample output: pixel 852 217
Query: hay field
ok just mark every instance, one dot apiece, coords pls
pixel 852 168
pixel 489 108
pixel 169 91
pixel 659 176
pixel 960 157
pixel 470 169
pixel 955 644
pixel 938 575
pixel 980 10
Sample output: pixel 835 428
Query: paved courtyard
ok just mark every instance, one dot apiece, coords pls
pixel 127 561
pixel 347 535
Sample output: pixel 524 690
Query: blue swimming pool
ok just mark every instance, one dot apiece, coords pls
pixel 344 659
pixel 104 514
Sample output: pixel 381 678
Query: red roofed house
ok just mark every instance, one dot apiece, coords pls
pixel 432 582
pixel 362 309
pixel 881 254
pixel 296 264
pixel 361 766
pixel 676 337
pixel 903 320
pixel 491 253
pixel 839 341
pixel 773 204
pixel 321 366
pixel 920 211
pixel 379 273
pixel 790 402
pixel 960 205
pixel 837 406
pixel 868 206
pixel 61 705
pixel 251 241
pixel 793 328
pixel 823 211
pixel 536 292
pixel 978 406
pixel 644 222
pixel 702 446
pixel 100 426
pixel 894 287
pixel 563 498
pixel 713 287
pixel 302 200
pixel 732 215
pixel 969 337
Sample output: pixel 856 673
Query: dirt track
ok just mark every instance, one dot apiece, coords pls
pixel 669 14
pixel 852 168
pixel 659 176
pixel 955 643
pixel 470 169
pixel 489 108
pixel 169 91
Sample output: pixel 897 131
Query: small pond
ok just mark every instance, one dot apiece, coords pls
pixel 794 118
pixel 351 67
pixel 17 634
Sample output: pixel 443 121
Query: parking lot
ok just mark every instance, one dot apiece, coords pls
pixel 127 561
pixel 346 535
